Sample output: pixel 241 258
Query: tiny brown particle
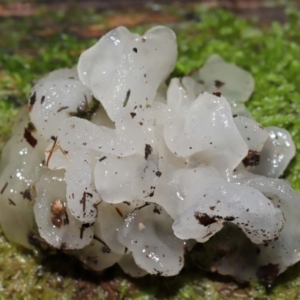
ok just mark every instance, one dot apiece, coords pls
pixel 217 94
pixel 158 173
pixel 32 100
pixel 26 195
pixel 101 159
pixel 4 187
pixel 11 202
pixel 62 108
pixel 31 127
pixel 219 83
pixel 204 219
pixel 148 150
pixel 105 249
pixel 156 210
pixel 31 140
pixel 58 208
pixel 83 201
pixel 56 221
pixel 119 212
pixel 252 158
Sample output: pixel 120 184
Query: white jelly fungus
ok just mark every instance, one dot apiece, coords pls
pixel 153 168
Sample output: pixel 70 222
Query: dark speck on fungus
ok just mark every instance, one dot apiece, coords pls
pixel 4 187
pixel 252 158
pixel 26 194
pixel 219 84
pixel 126 98
pixel 148 150
pixel 32 141
pixel 32 100
pixel 158 173
pixel 204 219
pixel 11 202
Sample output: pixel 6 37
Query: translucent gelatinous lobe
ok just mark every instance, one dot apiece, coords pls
pixel 54 97
pixel 240 205
pixel 276 153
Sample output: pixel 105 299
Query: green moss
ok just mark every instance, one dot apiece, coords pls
pixel 270 54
